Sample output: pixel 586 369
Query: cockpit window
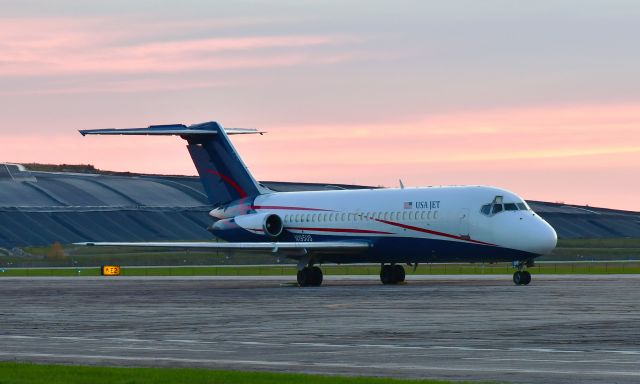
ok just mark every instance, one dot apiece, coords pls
pixel 498 205
pixel 510 207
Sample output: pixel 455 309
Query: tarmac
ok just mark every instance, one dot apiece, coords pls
pixel 559 329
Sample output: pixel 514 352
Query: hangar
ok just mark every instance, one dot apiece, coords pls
pixel 40 208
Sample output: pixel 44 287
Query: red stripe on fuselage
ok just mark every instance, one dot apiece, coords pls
pixel 341 230
pixel 288 208
pixel 418 229
pixel 229 181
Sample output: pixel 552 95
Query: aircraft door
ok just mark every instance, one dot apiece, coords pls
pixel 463 223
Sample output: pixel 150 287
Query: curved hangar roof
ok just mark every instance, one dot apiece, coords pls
pixel 39 208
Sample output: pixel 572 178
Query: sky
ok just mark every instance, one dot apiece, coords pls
pixel 542 98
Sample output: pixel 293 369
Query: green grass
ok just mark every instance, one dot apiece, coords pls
pixel 600 243
pixel 290 270
pixel 86 257
pixel 17 373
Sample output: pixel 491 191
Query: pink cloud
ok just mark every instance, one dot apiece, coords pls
pixel 44 47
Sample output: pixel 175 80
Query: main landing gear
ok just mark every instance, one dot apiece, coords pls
pixel 522 277
pixel 392 274
pixel 310 277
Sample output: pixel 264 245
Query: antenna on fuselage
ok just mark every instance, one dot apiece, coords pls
pixel 401 184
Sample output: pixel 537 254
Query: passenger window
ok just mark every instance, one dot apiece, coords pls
pixel 486 209
pixel 344 217
pixel 429 215
pixel 497 208
pixel 510 207
pixel 386 215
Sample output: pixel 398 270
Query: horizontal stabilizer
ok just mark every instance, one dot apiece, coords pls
pixel 210 128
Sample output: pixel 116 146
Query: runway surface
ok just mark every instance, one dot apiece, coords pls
pixel 559 329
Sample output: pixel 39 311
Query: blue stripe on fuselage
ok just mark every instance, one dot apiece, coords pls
pixel 389 249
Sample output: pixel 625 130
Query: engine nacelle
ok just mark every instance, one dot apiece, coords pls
pixel 268 224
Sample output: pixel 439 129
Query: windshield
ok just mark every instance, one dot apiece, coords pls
pixel 499 205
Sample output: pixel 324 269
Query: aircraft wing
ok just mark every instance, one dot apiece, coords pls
pixel 274 247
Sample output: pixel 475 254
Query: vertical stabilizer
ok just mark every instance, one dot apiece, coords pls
pixel 224 175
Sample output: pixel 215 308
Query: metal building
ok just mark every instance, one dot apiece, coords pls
pixel 40 208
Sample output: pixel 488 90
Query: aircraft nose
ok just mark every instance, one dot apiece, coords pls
pixel 526 232
pixel 542 239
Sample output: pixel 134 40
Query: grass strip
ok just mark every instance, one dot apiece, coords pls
pixel 26 373
pixel 328 270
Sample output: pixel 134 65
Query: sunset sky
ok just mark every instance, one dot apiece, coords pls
pixel 542 98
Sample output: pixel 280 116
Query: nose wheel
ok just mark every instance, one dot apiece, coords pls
pixel 521 278
pixel 392 274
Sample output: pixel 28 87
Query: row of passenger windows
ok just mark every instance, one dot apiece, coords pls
pixel 492 209
pixel 370 216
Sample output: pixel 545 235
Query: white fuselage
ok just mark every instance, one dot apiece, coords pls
pixel 437 213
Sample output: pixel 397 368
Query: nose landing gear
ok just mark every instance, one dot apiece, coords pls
pixel 522 277
pixel 392 274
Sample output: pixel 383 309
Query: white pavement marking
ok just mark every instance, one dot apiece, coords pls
pixel 167 349
pixel 552 360
pixel 324 345
pixel 72 338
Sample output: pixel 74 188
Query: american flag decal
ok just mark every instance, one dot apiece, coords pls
pixel 408 205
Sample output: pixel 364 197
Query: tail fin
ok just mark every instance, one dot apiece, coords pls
pixel 223 174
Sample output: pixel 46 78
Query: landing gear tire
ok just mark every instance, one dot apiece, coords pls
pixel 310 277
pixel 316 272
pixel 521 278
pixel 386 274
pixel 398 273
pixel 392 274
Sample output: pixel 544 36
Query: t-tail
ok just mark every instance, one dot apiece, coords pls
pixel 224 175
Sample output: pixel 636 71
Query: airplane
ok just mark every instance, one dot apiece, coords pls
pixel 389 226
